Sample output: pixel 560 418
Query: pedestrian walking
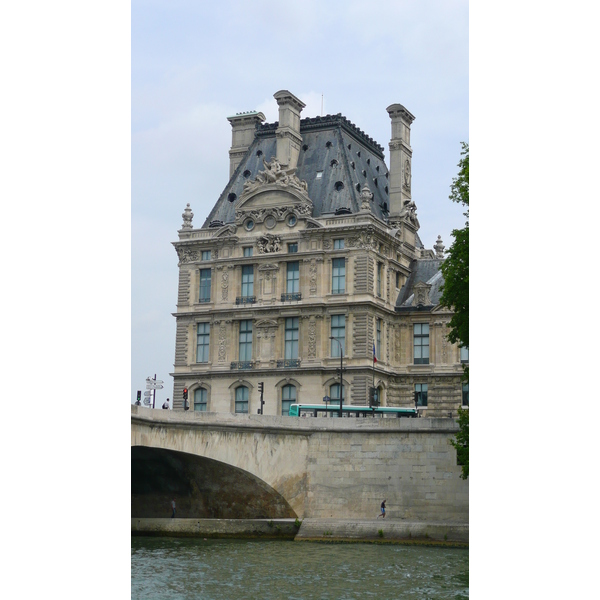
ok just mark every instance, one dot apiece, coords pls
pixel 173 507
pixel 382 510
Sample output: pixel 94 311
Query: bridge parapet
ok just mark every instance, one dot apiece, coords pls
pixel 289 425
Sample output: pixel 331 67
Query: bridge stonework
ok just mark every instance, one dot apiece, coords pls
pixel 305 467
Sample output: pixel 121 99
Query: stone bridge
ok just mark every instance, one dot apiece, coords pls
pixel 233 466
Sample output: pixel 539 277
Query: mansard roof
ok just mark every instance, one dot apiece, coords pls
pixel 425 271
pixel 345 156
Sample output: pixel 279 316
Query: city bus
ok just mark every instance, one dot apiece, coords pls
pixel 349 410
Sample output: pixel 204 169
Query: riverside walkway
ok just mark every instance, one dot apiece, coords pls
pixel 335 530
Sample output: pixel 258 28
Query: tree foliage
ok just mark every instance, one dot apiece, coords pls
pixel 461 443
pixel 455 295
pixel 455 269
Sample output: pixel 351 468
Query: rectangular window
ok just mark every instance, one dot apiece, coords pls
pixel 379 278
pixel 465 394
pixel 293 277
pixel 292 248
pixel 247 281
pixel 338 244
pixel 241 399
pixel 464 354
pixel 291 337
pixel 203 341
pixel 338 331
pixel 205 254
pixel 204 285
pixel 288 397
pixel 200 396
pixel 421 394
pixel 245 340
pixel 378 348
pixel 338 281
pixel 421 343
pixel 398 280
pixel 248 251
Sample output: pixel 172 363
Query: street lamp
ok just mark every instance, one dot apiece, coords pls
pixel 341 369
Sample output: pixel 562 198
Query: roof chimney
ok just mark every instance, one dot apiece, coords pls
pixel 400 158
pixel 243 126
pixel 288 135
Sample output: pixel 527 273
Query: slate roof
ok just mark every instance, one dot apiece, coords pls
pixel 426 271
pixel 346 156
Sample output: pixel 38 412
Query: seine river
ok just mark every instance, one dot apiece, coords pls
pixel 176 568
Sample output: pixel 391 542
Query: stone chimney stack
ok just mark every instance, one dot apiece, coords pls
pixel 400 158
pixel 243 126
pixel 288 135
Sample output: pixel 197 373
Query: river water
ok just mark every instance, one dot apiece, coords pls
pixel 181 568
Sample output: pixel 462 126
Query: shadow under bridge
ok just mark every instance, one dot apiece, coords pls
pixel 203 488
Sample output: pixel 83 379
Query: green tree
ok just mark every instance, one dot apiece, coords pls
pixel 455 269
pixel 455 295
pixel 461 443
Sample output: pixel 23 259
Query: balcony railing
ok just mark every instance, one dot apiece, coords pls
pixel 289 362
pixel 245 300
pixel 294 296
pixel 242 365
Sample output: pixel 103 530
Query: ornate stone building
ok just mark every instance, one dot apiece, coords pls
pixel 313 238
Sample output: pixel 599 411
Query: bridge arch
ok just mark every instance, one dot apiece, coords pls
pixel 203 488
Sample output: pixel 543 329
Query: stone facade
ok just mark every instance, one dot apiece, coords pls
pixel 312 237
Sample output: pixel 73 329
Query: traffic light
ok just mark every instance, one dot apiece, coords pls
pixel 186 405
pixel 261 389
pixel 373 397
pixel 139 397
pixel 185 394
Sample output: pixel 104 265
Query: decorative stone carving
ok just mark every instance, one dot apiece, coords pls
pixel 439 247
pixel 406 183
pixel 312 274
pixel 421 294
pixel 409 212
pixel 366 197
pixel 187 215
pixel 187 255
pixel 364 240
pixel 225 284
pixel 222 341
pixel 274 173
pixel 268 243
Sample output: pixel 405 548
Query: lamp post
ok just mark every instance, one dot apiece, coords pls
pixel 341 370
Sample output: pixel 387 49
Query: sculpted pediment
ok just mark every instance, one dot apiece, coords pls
pixel 266 323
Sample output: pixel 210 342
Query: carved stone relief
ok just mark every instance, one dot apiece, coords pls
pixel 268 243
pixel 222 341
pixel 312 338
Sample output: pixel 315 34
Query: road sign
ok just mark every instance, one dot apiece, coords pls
pixel 326 399
pixel 148 380
pixel 148 393
pixel 154 386
pixel 146 401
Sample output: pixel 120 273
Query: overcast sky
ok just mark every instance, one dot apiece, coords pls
pixel 193 64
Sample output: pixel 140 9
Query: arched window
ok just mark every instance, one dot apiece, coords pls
pixel 241 399
pixel 334 392
pixel 288 397
pixel 200 399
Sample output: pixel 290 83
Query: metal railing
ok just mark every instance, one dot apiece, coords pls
pixel 289 362
pixel 294 296
pixel 242 365
pixel 245 300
